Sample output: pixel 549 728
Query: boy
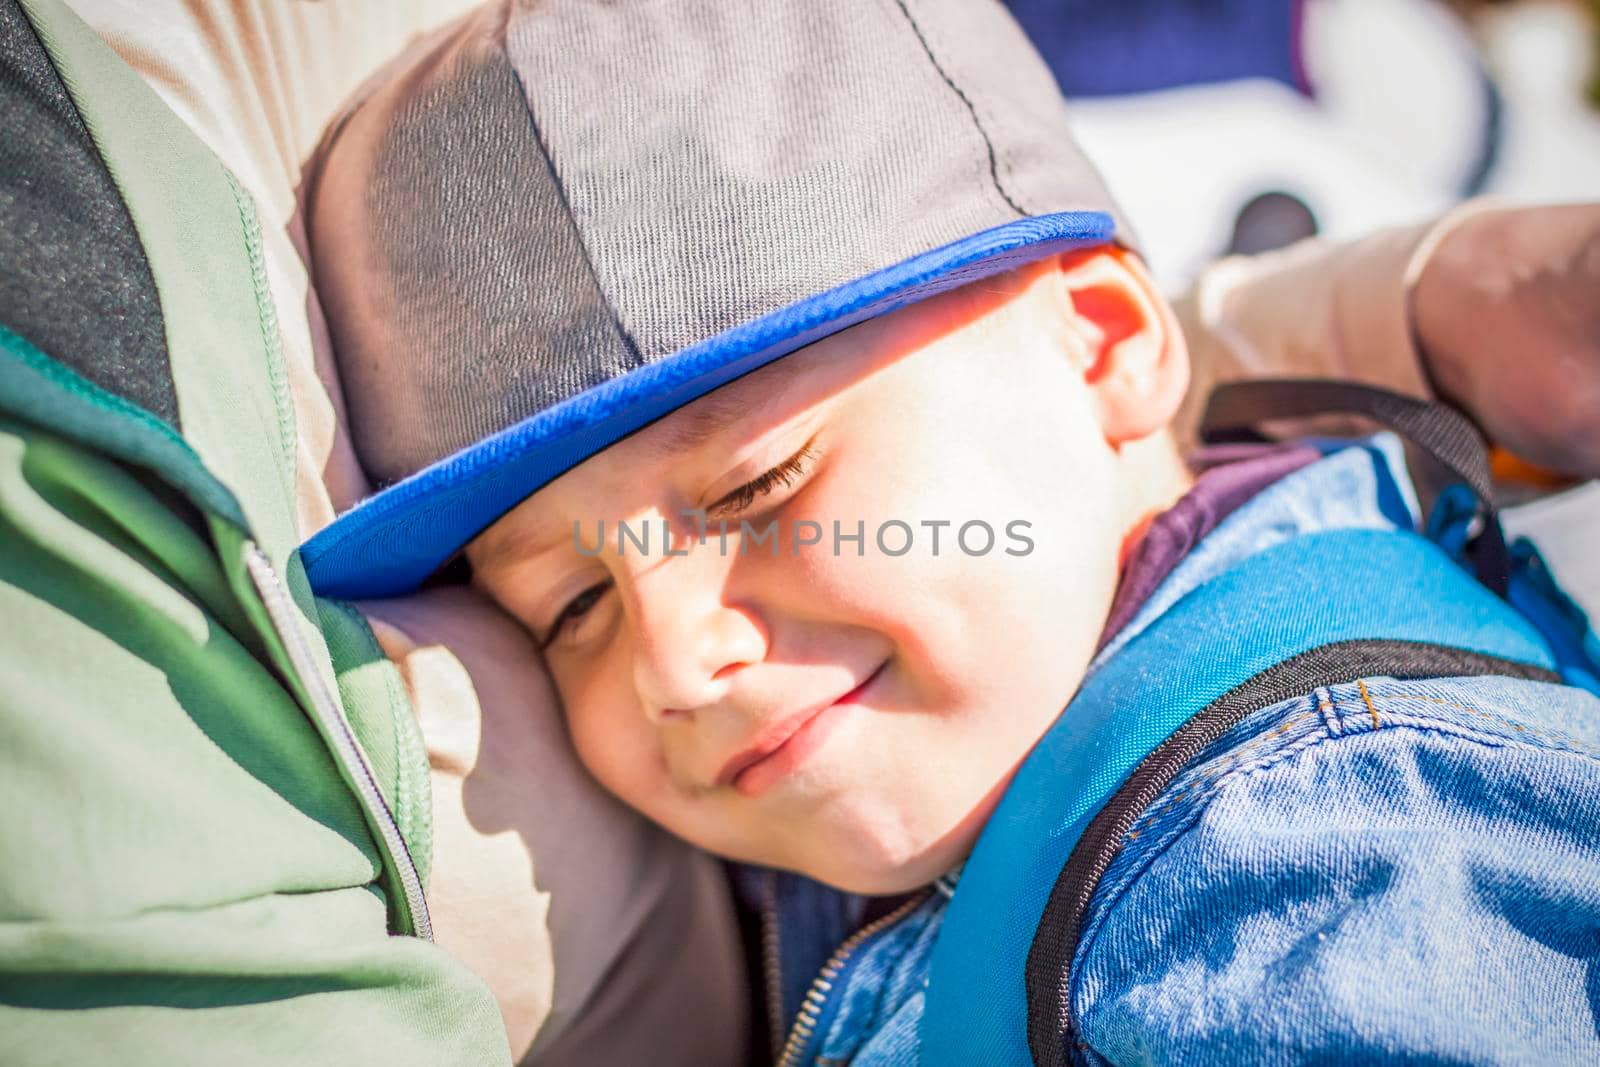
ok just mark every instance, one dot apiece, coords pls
pixel 814 612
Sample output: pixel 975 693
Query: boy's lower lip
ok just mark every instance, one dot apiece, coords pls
pixel 788 757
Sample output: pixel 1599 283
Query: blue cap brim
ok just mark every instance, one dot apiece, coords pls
pixel 391 542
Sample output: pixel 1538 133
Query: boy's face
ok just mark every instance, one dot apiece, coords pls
pixel 800 705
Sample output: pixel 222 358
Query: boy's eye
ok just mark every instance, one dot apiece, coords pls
pixel 783 474
pixel 576 608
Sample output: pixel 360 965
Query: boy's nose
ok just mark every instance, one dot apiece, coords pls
pixel 689 639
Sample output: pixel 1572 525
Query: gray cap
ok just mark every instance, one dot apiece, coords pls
pixel 554 195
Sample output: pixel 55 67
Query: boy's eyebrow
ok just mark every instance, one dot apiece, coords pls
pixel 690 428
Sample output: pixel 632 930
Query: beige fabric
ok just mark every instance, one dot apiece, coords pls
pixel 258 82
pixel 575 905
pixel 1315 309
pixel 600 936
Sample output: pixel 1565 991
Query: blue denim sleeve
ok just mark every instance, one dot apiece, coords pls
pixel 1387 871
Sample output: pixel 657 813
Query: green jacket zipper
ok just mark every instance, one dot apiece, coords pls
pixel 330 712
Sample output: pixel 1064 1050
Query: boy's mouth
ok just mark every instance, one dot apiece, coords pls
pixel 786 744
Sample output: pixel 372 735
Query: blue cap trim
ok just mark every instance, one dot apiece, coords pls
pixel 391 542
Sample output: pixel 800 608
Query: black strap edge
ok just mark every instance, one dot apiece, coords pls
pixel 1051 1028
pixel 1235 409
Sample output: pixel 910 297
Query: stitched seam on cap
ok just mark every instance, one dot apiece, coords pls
pixel 566 201
pixel 977 124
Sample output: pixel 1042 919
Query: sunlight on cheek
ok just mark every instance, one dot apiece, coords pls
pixel 596 711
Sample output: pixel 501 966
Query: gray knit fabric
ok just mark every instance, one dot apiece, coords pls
pixel 558 191
pixel 74 279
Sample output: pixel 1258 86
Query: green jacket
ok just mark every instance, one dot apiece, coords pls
pixel 214 803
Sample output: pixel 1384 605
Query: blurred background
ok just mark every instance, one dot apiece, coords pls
pixel 1292 117
pixel 1245 125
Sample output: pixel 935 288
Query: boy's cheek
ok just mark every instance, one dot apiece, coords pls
pixel 620 762
pixel 610 741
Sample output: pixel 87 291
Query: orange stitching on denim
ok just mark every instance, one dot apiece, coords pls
pixel 1557 737
pixel 1450 704
pixel 1368 698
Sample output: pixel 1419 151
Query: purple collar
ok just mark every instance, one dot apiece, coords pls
pixel 1228 476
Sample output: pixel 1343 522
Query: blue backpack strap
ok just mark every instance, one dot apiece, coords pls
pixel 1564 625
pixel 1464 519
pixel 1532 589
pixel 1318 609
pixel 1235 410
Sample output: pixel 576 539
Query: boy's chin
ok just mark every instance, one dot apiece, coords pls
pixel 888 866
pixel 884 882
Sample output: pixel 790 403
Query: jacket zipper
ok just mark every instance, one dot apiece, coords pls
pixel 771 959
pixel 328 709
pixel 805 1023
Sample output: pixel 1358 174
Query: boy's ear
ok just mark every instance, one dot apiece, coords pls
pixel 1138 365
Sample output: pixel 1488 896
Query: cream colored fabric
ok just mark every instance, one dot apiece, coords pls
pixel 570 902
pixel 258 82
pixel 1315 309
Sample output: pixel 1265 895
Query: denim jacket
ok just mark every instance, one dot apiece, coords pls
pixel 1381 871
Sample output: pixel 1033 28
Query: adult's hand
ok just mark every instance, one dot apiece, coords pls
pixel 1506 311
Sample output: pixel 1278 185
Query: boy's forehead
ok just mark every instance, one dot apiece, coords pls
pixel 793 389
pixel 775 393
pixel 788 387
pixel 741 408
pixel 700 421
